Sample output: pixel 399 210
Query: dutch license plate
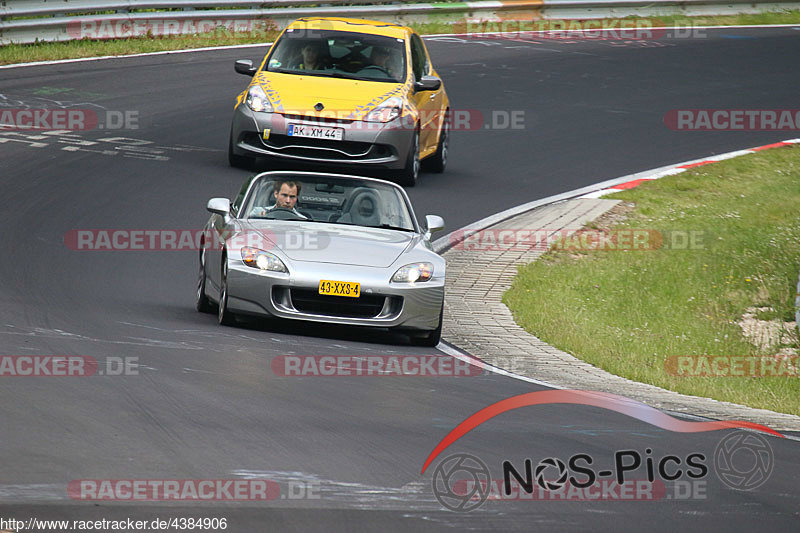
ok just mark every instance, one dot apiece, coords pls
pixel 340 288
pixel 315 132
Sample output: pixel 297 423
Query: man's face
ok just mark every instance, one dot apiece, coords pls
pixel 286 197
pixel 309 54
pixel 380 58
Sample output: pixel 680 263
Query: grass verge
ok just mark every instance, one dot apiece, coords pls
pixel 628 312
pixel 23 53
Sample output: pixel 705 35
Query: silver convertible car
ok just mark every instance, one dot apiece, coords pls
pixel 324 248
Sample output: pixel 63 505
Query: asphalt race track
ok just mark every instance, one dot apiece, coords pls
pixel 206 403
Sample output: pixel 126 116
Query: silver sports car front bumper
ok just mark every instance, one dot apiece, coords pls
pixel 295 296
pixel 365 145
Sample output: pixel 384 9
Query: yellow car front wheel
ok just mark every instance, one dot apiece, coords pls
pixel 408 176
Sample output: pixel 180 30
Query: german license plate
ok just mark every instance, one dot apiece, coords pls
pixel 340 288
pixel 316 132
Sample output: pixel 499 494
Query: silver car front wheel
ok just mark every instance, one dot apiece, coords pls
pixel 224 316
pixel 202 302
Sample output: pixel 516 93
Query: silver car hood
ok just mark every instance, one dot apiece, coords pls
pixel 333 243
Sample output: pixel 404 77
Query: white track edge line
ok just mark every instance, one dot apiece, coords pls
pixel 474 361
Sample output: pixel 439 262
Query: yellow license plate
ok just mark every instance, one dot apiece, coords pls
pixel 340 288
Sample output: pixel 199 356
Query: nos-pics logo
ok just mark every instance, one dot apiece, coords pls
pixel 460 467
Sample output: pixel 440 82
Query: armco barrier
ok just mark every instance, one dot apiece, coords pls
pixel 52 20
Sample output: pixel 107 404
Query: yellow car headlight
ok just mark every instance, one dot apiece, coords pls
pixel 386 111
pixel 257 100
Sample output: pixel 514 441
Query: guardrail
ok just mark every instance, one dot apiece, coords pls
pixel 27 21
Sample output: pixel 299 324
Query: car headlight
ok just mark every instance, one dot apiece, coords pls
pixel 253 257
pixel 257 100
pixel 415 272
pixel 386 111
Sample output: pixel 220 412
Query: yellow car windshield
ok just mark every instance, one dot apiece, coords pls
pixel 339 54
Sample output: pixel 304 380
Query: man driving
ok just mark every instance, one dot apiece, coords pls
pixel 285 194
pixel 381 57
pixel 312 54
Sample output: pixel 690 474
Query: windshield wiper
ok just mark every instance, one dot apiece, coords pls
pixel 330 74
pixel 382 226
pixel 366 78
pixel 322 73
pixel 347 76
pixel 389 226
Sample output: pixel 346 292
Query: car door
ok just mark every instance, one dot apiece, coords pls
pixel 428 103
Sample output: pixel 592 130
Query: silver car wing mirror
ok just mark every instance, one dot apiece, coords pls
pixel 434 223
pixel 219 206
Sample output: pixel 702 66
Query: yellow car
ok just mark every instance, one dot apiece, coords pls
pixel 343 93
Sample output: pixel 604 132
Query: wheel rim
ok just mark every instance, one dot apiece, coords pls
pixel 223 294
pixel 222 304
pixel 416 155
pixel 445 141
pixel 200 291
pixel 201 277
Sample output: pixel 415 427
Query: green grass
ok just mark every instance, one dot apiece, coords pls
pixel 627 312
pixel 777 17
pixel 22 53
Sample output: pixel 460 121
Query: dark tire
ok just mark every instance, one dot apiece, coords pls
pixel 432 338
pixel 438 161
pixel 408 176
pixel 224 316
pixel 239 161
pixel 202 303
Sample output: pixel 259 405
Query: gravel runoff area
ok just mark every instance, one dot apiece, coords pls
pixel 477 322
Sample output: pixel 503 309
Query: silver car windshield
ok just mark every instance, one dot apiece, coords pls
pixel 339 54
pixel 329 200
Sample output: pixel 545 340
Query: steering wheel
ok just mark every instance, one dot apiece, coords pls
pixel 281 213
